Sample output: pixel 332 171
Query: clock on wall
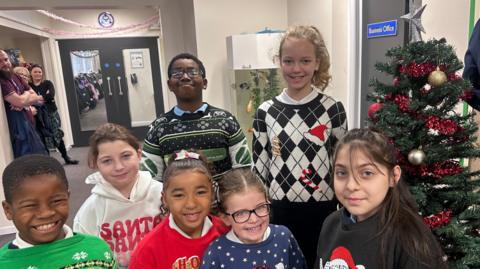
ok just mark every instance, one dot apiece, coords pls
pixel 105 19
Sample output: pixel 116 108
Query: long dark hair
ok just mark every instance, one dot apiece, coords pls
pixel 398 217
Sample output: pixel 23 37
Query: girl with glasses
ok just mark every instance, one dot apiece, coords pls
pixel 252 242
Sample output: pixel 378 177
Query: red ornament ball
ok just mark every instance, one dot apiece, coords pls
pixel 373 109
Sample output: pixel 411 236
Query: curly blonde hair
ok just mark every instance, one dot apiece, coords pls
pixel 321 77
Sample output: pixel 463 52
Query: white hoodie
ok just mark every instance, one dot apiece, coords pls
pixel 121 222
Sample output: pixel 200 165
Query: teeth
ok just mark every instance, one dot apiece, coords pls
pixel 45 227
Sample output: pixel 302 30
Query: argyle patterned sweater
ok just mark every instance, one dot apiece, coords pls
pixel 293 144
pixel 215 132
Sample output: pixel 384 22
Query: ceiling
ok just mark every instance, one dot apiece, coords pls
pixel 77 4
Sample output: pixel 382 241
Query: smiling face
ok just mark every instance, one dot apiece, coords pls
pixel 298 63
pixel 118 162
pixel 187 89
pixel 361 184
pixel 37 74
pixel 251 231
pixel 39 209
pixel 188 196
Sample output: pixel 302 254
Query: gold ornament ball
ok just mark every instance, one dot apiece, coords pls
pixel 437 78
pixel 416 157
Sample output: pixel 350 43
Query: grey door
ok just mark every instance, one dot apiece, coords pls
pixel 374 49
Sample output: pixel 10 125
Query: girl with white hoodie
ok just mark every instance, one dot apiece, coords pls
pixel 125 202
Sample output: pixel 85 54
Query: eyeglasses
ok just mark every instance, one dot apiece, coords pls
pixel 191 73
pixel 242 216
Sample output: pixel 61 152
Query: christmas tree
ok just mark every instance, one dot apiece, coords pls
pixel 417 111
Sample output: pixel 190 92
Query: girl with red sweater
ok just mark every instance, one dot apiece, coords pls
pixel 180 240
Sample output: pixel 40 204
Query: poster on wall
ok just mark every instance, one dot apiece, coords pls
pixel 136 59
pixel 16 57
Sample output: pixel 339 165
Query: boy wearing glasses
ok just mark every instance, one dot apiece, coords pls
pixel 194 124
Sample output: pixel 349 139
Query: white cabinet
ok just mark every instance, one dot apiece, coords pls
pixel 253 51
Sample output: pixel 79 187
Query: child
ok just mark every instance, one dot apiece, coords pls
pixel 125 203
pixel 294 137
pixel 379 226
pixel 252 242
pixel 36 200
pixel 181 239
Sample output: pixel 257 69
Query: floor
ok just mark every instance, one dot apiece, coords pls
pixel 79 191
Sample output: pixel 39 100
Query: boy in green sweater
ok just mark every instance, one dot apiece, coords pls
pixel 36 200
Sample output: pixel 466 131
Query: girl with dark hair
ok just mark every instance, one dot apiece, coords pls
pixel 46 89
pixel 379 225
pixel 181 239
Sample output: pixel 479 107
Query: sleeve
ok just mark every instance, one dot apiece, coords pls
pixel 152 157
pixel 261 145
pixel 339 121
pixel 209 260
pixel 142 259
pixel 50 96
pixel 7 89
pixel 471 71
pixel 85 220
pixel 296 259
pixel 237 145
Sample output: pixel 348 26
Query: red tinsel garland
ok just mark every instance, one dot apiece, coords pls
pixel 443 126
pixel 439 219
pixel 418 70
pixel 402 102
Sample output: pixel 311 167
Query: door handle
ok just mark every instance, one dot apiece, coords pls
pixel 109 88
pixel 119 85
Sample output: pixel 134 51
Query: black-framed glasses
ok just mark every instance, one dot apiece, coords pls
pixel 242 216
pixel 191 73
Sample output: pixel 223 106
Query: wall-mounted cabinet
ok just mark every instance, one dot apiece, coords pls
pixel 253 51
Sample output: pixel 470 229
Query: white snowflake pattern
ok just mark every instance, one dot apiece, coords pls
pixel 107 255
pixel 259 251
pixel 228 253
pixel 32 267
pixel 232 259
pixel 245 260
pixel 219 247
pixel 80 255
pixel 248 250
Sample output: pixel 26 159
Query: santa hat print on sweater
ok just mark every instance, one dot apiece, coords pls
pixel 341 258
pixel 316 135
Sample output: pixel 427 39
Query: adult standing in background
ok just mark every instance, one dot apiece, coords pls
pixel 194 124
pixel 46 89
pixel 471 71
pixel 18 98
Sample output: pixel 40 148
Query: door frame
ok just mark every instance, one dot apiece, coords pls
pixel 80 138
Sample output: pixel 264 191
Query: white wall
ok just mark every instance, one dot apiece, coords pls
pixel 122 17
pixel 330 17
pixel 441 19
pixel 217 19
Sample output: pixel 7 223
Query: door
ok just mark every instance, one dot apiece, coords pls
pixel 374 49
pixel 113 80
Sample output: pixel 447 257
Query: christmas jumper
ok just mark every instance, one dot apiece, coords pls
pixel 166 248
pixel 345 244
pixel 78 251
pixel 121 222
pixel 25 139
pixel 279 250
pixel 471 71
pixel 214 131
pixel 292 149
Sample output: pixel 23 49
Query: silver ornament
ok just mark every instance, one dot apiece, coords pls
pixel 416 157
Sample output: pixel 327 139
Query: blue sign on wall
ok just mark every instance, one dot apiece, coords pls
pixel 384 28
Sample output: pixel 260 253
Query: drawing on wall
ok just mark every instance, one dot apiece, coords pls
pixel 136 59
